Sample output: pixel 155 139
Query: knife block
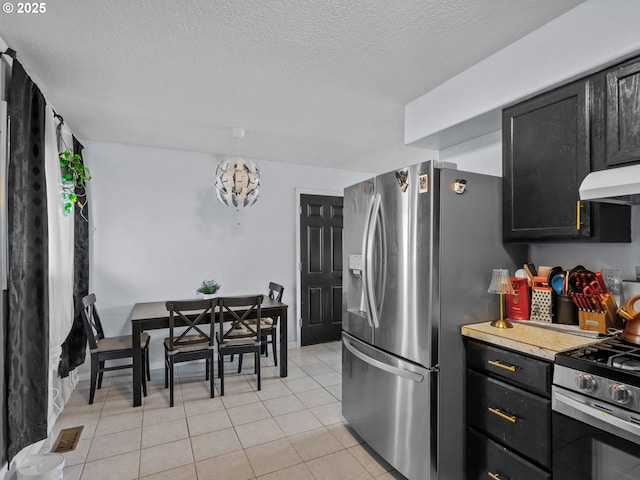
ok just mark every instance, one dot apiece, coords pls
pixel 592 321
pixel 599 321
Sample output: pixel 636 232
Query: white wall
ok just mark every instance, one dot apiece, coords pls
pixel 583 40
pixel 159 230
pixel 480 155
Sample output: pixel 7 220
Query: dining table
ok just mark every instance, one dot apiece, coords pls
pixel 154 316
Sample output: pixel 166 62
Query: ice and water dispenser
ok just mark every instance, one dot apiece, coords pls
pixel 355 287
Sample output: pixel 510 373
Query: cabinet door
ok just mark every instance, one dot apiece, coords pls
pixel 545 157
pixel 623 115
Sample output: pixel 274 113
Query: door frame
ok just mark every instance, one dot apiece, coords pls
pixel 298 262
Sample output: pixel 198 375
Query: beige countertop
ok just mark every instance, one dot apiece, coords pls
pixel 528 338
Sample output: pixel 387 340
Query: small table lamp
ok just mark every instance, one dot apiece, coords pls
pixel 501 284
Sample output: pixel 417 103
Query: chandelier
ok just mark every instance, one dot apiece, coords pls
pixel 237 179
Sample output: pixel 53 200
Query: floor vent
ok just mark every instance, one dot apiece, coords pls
pixel 68 439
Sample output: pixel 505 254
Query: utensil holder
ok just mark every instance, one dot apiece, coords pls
pixel 565 311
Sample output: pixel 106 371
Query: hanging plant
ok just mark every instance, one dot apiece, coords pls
pixel 74 178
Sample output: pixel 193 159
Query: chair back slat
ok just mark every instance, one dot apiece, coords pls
pixel 240 327
pixel 193 314
pixel 275 291
pixel 91 320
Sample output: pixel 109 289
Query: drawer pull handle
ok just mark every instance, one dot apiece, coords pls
pixel 496 411
pixel 496 363
pixel 496 476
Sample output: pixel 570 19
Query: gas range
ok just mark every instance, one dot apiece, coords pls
pixel 608 371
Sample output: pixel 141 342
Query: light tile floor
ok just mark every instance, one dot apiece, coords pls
pixel 291 429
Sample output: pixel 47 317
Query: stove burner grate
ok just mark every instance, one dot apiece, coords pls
pixel 626 363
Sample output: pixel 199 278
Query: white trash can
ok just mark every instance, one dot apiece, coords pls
pixel 48 466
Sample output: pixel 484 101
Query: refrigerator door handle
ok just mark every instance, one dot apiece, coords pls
pixel 401 372
pixel 370 231
pixel 365 249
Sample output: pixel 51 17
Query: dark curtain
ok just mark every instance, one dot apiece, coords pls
pixel 27 340
pixel 75 345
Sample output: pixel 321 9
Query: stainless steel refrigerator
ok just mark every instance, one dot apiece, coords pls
pixel 419 247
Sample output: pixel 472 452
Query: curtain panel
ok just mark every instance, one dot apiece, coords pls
pixel 27 339
pixel 75 346
pixel 60 231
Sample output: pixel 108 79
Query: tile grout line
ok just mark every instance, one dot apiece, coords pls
pixel 308 359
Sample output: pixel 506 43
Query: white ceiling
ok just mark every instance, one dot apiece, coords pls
pixel 312 82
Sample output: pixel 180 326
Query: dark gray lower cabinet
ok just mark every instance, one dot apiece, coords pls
pixel 488 459
pixel 508 416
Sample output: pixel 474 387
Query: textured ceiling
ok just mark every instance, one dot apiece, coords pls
pixel 312 82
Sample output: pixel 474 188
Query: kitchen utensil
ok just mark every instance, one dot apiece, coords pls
pixel 552 274
pixel 557 282
pixel 603 286
pixel 541 300
pixel 520 273
pixel 543 271
pixel 530 272
pixel 574 278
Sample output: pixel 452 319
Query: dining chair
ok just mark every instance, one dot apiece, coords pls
pixel 192 343
pixel 239 335
pixel 104 348
pixel 269 326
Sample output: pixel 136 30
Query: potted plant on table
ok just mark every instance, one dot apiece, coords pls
pixel 208 288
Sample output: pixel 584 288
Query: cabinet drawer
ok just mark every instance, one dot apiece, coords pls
pixel 518 419
pixel 486 457
pixel 520 370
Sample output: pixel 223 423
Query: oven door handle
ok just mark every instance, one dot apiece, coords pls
pixel 614 423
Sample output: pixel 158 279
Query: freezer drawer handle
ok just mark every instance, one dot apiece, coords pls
pixel 496 411
pixel 401 372
pixel 497 363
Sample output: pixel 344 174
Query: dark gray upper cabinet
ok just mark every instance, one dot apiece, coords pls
pixel 546 155
pixel 623 114
pixel 550 143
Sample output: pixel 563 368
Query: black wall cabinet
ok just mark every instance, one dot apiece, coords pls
pixel 552 141
pixel 623 115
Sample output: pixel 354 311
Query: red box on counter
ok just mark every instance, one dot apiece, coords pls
pixel 518 303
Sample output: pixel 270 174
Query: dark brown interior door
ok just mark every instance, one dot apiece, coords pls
pixel 321 268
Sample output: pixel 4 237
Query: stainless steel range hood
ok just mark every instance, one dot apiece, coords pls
pixel 615 185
